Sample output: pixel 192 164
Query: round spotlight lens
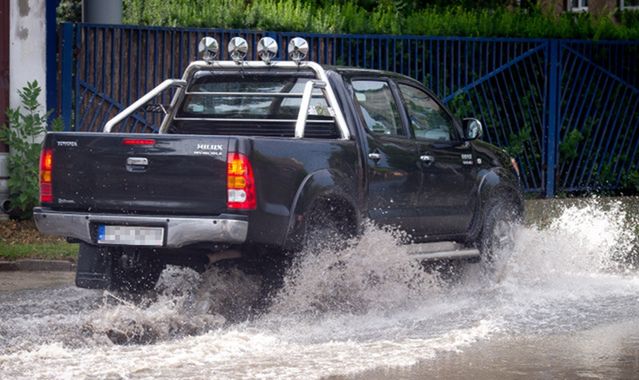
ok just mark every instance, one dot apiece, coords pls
pixel 297 49
pixel 266 49
pixel 238 47
pixel 208 49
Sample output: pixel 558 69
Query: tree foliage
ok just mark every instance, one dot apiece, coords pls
pixel 23 134
pixel 497 18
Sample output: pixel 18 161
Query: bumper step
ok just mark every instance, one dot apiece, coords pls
pixel 444 250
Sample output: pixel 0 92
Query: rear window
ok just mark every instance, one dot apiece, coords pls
pixel 241 102
pixel 252 104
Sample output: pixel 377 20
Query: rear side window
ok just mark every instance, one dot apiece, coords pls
pixel 378 107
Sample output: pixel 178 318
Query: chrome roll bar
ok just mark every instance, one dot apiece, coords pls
pixel 321 82
pixel 142 101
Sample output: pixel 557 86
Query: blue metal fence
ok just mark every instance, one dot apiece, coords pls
pixel 568 110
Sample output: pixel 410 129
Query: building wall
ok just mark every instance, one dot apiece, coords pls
pixel 602 7
pixel 27 47
pixel 4 98
pixel 553 6
pixel 4 64
pixel 23 26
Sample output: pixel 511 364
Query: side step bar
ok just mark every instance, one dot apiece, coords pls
pixel 441 251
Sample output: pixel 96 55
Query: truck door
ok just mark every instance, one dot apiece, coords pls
pixel 447 199
pixel 393 171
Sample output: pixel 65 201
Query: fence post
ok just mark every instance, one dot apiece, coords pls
pixel 68 44
pixel 552 128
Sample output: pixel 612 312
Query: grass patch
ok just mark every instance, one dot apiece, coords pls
pixel 22 240
pixel 49 251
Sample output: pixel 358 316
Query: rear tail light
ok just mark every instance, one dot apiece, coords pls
pixel 240 183
pixel 46 176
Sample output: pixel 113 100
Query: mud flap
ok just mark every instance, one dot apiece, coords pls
pixel 95 267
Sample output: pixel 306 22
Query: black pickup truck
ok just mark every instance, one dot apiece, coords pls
pixel 252 156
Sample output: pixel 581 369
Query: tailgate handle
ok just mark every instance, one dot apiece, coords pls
pixel 137 161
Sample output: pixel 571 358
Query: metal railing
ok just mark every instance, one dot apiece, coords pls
pixel 568 110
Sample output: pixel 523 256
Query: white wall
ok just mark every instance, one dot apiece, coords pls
pixel 27 42
pixel 27 60
pixel 4 189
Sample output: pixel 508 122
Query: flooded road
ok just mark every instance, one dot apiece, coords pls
pixel 563 304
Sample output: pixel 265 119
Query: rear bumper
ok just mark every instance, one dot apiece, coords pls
pixel 180 231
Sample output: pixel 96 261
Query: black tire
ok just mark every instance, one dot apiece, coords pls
pixel 497 237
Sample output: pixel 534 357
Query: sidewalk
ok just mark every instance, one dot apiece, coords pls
pixel 37 265
pixel 18 280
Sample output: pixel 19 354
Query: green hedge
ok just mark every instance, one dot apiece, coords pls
pixel 387 17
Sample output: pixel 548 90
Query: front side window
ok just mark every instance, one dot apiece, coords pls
pixel 379 110
pixel 428 119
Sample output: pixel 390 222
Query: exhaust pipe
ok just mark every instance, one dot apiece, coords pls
pixel 224 255
pixel 5 205
pixel 5 209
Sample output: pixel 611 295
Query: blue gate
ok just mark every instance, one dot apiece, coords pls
pixel 567 110
pixel 598 116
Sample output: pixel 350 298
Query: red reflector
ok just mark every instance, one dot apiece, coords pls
pixel 46 195
pixel 46 177
pixel 138 142
pixel 240 183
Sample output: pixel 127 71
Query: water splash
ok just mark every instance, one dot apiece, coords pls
pixel 591 240
pixel 185 303
pixel 339 312
pixel 374 273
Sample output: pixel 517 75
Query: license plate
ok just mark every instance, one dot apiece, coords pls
pixel 131 235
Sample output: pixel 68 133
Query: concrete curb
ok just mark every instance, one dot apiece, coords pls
pixel 37 265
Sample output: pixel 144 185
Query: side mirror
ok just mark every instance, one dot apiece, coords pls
pixel 472 129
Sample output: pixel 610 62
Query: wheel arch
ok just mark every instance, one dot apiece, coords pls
pixel 495 184
pixel 322 190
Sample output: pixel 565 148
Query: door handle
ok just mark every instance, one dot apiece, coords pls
pixel 374 156
pixel 428 159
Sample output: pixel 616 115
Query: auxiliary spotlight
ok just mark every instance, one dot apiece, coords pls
pixel 267 49
pixel 297 49
pixel 238 47
pixel 208 49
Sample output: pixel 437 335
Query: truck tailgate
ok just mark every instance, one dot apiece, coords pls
pixel 139 173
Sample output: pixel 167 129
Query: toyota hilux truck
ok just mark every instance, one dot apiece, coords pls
pixel 252 157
